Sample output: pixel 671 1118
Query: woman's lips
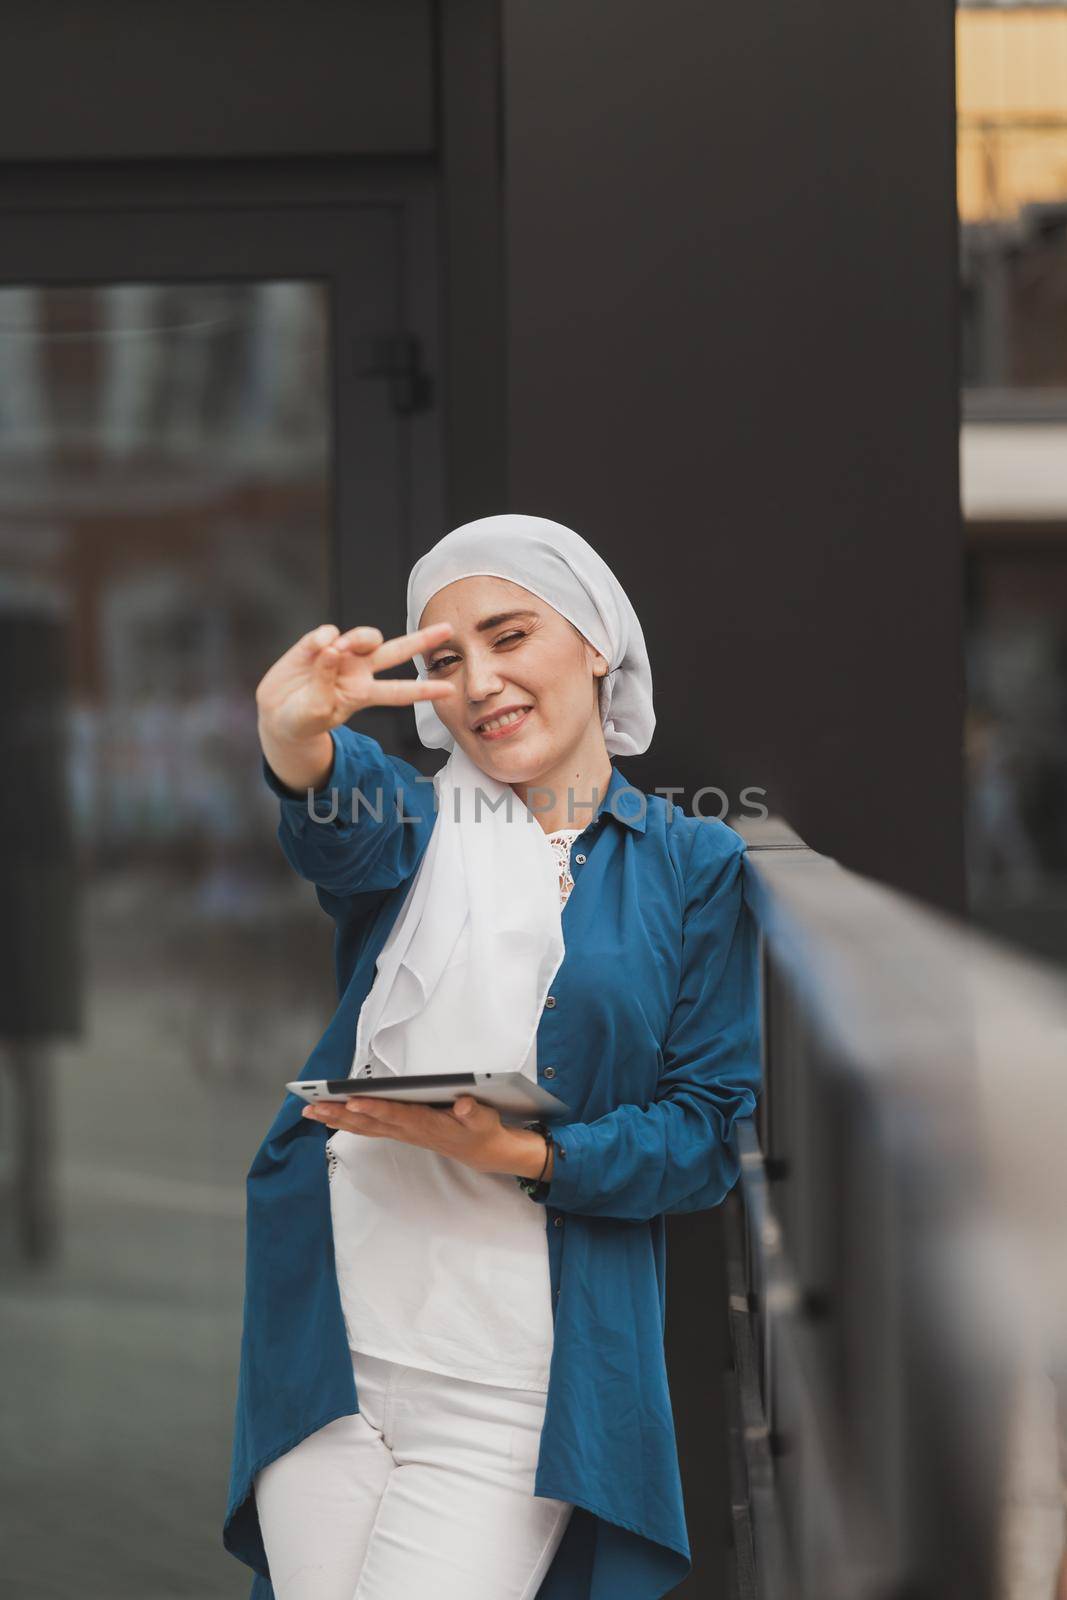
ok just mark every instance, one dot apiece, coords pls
pixel 509 727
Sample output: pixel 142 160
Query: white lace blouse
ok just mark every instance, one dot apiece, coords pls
pixel 439 1266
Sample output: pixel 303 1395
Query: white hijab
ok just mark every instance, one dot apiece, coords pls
pixel 462 978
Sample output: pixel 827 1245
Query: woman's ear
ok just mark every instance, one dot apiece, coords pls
pixel 600 677
pixel 592 654
pixel 600 665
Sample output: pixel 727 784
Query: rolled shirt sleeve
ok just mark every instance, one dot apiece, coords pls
pixel 366 827
pixel 677 1154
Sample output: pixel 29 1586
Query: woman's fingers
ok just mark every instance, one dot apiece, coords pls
pixel 327 673
pixel 367 655
pixel 394 651
pixel 360 640
pixel 349 1122
pixel 294 663
pixel 383 1119
pixel 307 648
pixel 468 1131
pixel 324 645
pixel 327 659
pixel 405 691
pixel 364 639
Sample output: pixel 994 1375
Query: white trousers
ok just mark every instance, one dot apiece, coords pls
pixel 427 1490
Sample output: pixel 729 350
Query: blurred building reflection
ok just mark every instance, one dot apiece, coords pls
pixel 1012 189
pixel 165 473
pixel 164 457
pixel 164 462
pixel 1012 192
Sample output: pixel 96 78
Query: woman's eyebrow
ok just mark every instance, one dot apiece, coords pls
pixel 501 616
pixel 489 622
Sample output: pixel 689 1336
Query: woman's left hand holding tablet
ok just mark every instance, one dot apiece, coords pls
pixel 467 1132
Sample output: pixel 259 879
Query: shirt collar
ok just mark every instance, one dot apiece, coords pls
pixel 629 807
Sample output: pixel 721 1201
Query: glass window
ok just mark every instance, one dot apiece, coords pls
pixel 165 532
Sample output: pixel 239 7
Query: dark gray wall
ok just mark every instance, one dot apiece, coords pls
pixel 474 285
pixel 127 80
pixel 731 247
pixel 730 242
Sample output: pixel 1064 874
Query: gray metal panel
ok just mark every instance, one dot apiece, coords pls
pixel 895 1241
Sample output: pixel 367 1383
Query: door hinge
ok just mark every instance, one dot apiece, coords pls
pixel 396 357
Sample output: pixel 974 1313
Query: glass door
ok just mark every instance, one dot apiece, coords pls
pixel 184 428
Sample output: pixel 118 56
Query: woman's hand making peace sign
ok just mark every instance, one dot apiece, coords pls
pixel 325 678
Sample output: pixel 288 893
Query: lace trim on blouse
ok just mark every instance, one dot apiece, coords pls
pixel 561 842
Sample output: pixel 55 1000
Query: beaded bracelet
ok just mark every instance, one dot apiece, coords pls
pixel 537 1188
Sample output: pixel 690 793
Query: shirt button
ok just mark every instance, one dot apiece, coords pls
pixel 550 1072
pixel 580 860
pixel 557 1222
pixel 550 1002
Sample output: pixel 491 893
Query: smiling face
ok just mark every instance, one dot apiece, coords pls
pixel 510 649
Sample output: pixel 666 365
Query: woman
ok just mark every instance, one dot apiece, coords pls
pixel 452 1372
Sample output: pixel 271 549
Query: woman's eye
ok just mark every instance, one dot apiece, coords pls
pixel 442 661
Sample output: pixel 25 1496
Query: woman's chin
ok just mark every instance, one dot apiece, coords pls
pixel 517 764
pixel 508 768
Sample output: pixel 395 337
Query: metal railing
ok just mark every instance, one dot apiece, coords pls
pixel 901 1219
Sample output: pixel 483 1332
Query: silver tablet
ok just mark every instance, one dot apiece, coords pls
pixel 513 1094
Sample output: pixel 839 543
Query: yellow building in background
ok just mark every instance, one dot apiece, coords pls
pixel 1011 99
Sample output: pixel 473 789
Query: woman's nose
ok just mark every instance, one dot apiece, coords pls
pixel 482 682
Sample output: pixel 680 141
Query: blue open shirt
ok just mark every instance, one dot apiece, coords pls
pixel 654 1042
